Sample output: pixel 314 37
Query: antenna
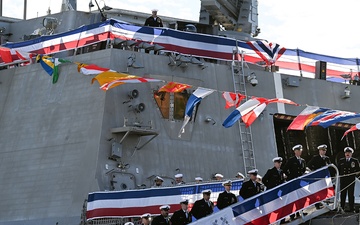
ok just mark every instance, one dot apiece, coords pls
pixel 68 5
pixel 25 6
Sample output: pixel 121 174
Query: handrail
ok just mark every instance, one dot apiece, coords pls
pixel 280 200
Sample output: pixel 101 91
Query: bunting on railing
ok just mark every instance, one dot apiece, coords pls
pixel 199 45
pixel 132 203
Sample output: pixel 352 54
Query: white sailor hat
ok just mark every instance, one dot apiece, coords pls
pixel 348 149
pixel 277 159
pixel 322 147
pixel 219 175
pixel 227 183
pixel 146 215
pixel 240 174
pixel 159 178
pixel 129 223
pixel 254 172
pixel 164 207
pixel 198 178
pixel 207 191
pixel 185 202
pixel 297 147
pixel 178 175
pixel 154 10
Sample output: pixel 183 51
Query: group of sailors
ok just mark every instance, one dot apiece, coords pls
pixel 158 181
pixel 295 166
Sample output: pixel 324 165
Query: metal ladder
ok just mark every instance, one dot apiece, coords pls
pixel 247 147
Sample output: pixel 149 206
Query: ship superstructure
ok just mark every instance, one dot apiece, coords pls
pixel 59 142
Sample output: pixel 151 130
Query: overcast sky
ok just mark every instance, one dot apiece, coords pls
pixel 321 26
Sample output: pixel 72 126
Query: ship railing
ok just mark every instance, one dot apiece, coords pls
pixel 277 204
pixel 318 186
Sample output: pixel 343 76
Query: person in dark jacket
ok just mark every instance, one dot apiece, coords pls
pixel 162 219
pixel 318 161
pixel 274 176
pixel 204 206
pixel 348 168
pixel 154 20
pixel 145 219
pixel 226 198
pixel 295 166
pixel 182 216
pixel 250 187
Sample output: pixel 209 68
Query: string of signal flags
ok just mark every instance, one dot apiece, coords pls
pixel 248 111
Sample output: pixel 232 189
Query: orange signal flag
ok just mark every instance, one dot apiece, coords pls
pixel 174 87
pixel 110 79
pixel 108 76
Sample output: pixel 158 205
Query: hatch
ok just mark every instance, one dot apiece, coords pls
pixel 313 136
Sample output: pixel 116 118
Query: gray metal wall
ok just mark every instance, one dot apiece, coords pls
pixel 49 139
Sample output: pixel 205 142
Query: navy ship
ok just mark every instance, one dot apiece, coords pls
pixel 64 141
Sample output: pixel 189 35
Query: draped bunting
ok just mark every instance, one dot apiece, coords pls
pixel 269 52
pixel 131 203
pixel 195 44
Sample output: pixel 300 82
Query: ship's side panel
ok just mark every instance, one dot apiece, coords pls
pixel 49 141
pixel 204 149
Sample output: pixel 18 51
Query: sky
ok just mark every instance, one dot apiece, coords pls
pixel 320 26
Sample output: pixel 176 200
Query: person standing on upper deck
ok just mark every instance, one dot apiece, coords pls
pixel 154 20
pixel 179 179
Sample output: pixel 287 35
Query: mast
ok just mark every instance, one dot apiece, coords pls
pixel 25 6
